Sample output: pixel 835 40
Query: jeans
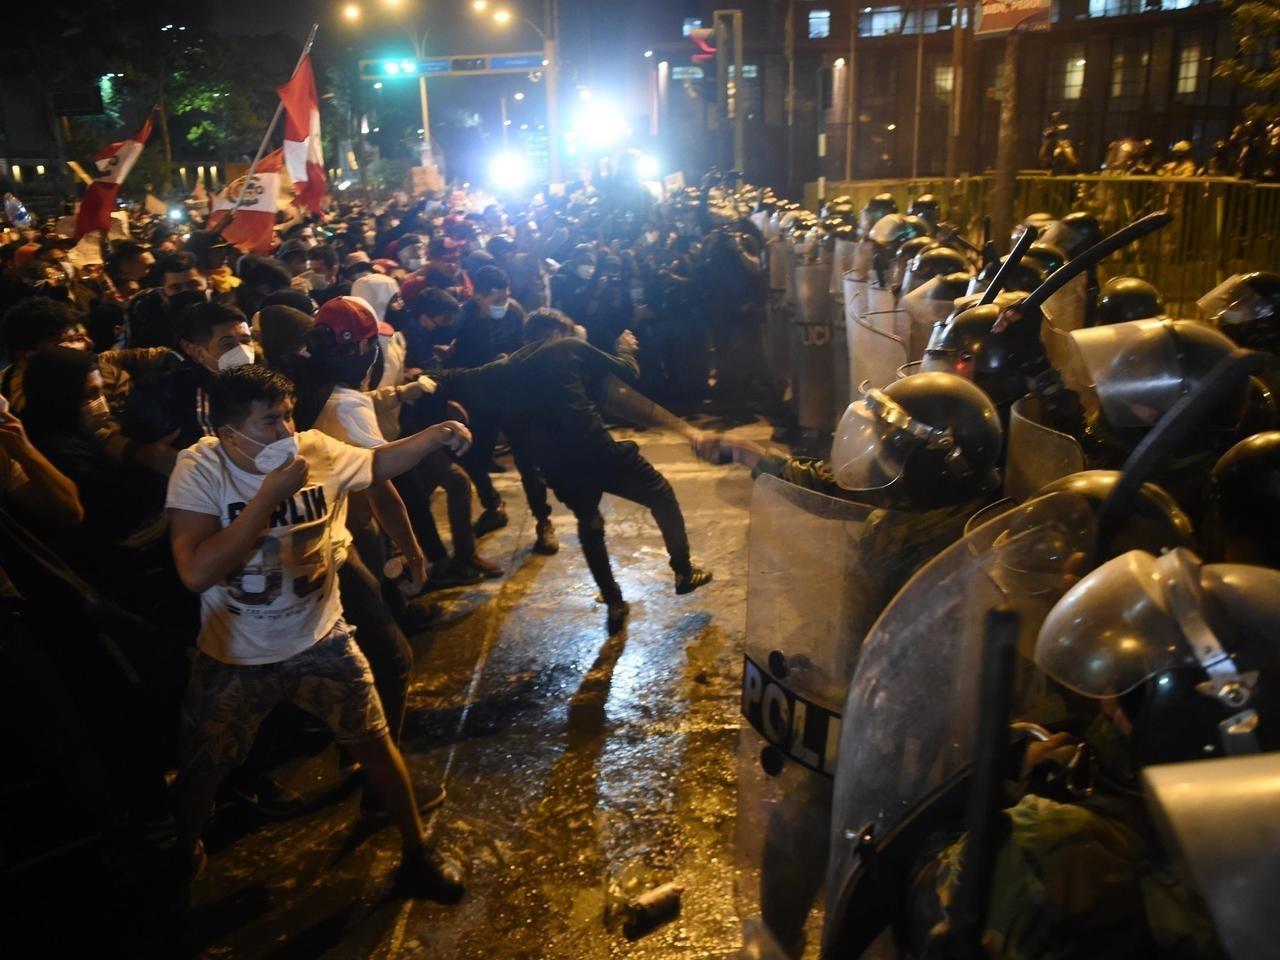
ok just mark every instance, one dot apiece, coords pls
pixel 626 474
pixel 379 638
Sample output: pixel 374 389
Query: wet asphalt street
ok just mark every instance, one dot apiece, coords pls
pixel 574 762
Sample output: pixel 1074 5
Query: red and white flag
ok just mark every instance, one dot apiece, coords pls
pixel 303 155
pixel 114 163
pixel 251 229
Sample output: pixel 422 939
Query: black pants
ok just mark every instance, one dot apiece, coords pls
pixel 439 469
pixel 623 472
pixel 379 638
pixel 484 437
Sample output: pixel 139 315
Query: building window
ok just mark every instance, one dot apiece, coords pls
pixel 944 80
pixel 819 24
pixel 879 22
pixel 1066 72
pixel 686 73
pixel 691 24
pixel 1195 63
pixel 1130 59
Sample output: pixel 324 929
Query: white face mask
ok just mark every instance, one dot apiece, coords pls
pixel 274 454
pixel 585 271
pixel 498 310
pixel 238 356
pixel 651 237
pixel 94 414
pixel 413 263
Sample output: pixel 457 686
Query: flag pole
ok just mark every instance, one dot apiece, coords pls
pixel 266 137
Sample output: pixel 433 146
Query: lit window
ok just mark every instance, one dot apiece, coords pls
pixel 687 73
pixel 944 81
pixel 1129 61
pixel 691 24
pixel 819 24
pixel 1193 67
pixel 1066 72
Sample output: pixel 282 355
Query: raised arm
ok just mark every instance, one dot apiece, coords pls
pixel 392 459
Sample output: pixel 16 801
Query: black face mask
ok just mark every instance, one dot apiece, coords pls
pixel 349 371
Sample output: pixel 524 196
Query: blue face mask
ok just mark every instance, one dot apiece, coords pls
pixel 498 310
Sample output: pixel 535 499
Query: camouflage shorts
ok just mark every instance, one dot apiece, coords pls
pixel 225 702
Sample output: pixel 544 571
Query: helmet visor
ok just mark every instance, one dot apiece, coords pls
pixel 866 453
pixel 1232 302
pixel 1130 370
pixel 1116 628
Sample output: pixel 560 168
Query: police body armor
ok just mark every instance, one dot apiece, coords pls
pixel 820 571
pixel 810 342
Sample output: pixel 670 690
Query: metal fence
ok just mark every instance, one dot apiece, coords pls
pixel 1220 226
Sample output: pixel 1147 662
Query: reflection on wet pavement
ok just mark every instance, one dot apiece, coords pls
pixel 579 767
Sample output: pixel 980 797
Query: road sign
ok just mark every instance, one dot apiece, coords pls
pixel 464 65
pixel 996 17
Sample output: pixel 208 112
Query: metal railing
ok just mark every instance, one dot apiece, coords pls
pixel 1221 226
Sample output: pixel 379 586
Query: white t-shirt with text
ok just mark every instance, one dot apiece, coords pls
pixel 285 597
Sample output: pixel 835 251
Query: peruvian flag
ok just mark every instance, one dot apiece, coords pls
pixel 251 229
pixel 302 151
pixel 114 163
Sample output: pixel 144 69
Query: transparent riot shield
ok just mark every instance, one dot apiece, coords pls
pixel 843 260
pixel 820 571
pixel 842 389
pixel 878 347
pixel 811 368
pixel 1063 312
pixel 913 706
pixel 926 312
pixel 1036 454
pixel 778 269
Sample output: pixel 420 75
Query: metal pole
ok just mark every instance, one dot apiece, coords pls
pixel 262 147
pixel 915 124
pixel 959 79
pixel 420 51
pixel 553 106
pixel 790 50
pixel 1007 145
pixel 502 105
pixel 739 151
pixel 851 90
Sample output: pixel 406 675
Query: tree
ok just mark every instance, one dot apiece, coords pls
pixel 1256 64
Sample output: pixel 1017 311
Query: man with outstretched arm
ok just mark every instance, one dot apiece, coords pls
pixel 250 512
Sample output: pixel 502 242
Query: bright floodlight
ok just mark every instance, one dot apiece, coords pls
pixel 391 68
pixel 601 124
pixel 351 11
pixel 409 66
pixel 502 16
pixel 480 6
pixel 519 94
pixel 508 171
pixel 648 167
pixel 175 213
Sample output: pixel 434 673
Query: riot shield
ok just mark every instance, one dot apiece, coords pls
pixel 1063 312
pixel 820 570
pixel 1036 454
pixel 907 731
pixel 811 367
pixel 925 312
pixel 842 389
pixel 843 260
pixel 777 252
pixel 1222 819
pixel 878 346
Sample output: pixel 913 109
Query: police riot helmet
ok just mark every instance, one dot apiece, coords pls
pixel 906 254
pixel 933 262
pixel 1131 374
pixel 1246 307
pixel 1128 298
pixel 841 206
pixel 925 441
pixel 1154 521
pixel 1246 501
pixel 1048 257
pixel 1074 234
pixel 1190 651
pixel 879 206
pixel 997 361
pixel 1025 276
pixel 927 208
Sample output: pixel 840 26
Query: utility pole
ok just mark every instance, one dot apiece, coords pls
pixel 1007 145
pixel 915 123
pixel 790 49
pixel 961 42
pixel 506 140
pixel 851 92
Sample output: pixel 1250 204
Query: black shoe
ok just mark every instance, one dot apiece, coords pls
pixel 418 616
pixel 619 610
pixel 547 542
pixel 267 797
pixel 494 466
pixel 691 581
pixel 495 518
pixel 425 872
pixel 454 574
pixel 429 799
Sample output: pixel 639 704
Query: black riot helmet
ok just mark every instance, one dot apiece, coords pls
pixel 1074 234
pixel 841 206
pixel 1189 651
pixel 927 208
pixel 1025 276
pixel 1246 307
pixel 1128 298
pixel 1154 522
pixel 1246 501
pixel 933 262
pixel 925 441
pixel 1046 256
pixel 877 208
pixel 997 361
pixel 906 255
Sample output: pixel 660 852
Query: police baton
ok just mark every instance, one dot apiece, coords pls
pixel 1027 237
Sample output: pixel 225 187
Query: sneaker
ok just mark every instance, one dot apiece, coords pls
pixel 547 542
pixel 454 574
pixel 267 797
pixel 619 610
pixel 429 799
pixel 489 570
pixel 494 518
pixel 691 581
pixel 425 872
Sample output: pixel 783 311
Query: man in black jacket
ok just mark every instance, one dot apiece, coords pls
pixel 545 393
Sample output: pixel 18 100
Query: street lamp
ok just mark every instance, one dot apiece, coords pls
pixel 351 11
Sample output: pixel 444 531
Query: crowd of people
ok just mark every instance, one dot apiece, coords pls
pixel 222 464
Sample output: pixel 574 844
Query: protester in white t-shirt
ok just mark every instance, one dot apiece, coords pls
pixel 251 511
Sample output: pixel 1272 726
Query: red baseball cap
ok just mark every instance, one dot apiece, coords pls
pixel 350 318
